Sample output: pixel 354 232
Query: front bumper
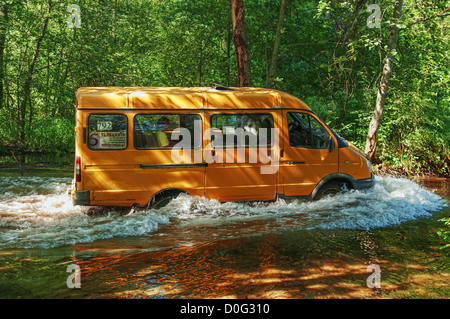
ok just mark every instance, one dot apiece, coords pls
pixel 363 183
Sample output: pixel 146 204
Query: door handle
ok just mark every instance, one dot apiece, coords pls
pixel 281 153
pixel 84 135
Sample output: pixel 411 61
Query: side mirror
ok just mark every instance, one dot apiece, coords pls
pixel 331 147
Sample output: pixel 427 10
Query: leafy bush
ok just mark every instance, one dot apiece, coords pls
pixel 53 135
pixel 445 233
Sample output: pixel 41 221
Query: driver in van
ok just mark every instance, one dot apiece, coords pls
pixel 298 136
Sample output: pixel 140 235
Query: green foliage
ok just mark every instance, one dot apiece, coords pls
pixel 415 127
pixel 45 135
pixel 54 135
pixel 445 233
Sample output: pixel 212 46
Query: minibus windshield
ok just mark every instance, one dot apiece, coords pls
pixel 342 142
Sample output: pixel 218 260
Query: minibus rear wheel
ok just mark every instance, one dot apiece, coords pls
pixel 331 188
pixel 163 198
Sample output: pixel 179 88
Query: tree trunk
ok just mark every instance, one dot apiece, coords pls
pixel 28 80
pixel 229 39
pixel 276 46
pixel 372 136
pixel 3 25
pixel 240 42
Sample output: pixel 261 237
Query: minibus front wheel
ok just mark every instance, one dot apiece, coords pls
pixel 331 188
pixel 164 197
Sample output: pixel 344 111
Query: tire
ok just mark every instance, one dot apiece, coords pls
pixel 330 189
pixel 162 199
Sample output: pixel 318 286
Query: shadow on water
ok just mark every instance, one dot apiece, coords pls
pixel 203 249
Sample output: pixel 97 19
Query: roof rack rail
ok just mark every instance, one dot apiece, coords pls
pixel 220 87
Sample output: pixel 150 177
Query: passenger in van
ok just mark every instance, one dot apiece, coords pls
pixel 267 123
pixel 139 136
pixel 299 136
pixel 250 127
pixel 161 137
pixel 143 136
pixel 187 122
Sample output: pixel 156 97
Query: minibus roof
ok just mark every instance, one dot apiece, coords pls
pixel 184 98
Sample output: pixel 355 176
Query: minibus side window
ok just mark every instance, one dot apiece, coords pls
pixel 306 132
pixel 107 131
pixel 242 130
pixel 154 131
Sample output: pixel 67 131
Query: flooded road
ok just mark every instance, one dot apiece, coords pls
pixel 197 248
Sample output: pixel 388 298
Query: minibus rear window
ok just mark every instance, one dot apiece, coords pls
pixel 156 130
pixel 242 130
pixel 107 131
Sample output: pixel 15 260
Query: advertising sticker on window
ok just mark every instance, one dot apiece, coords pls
pixel 113 139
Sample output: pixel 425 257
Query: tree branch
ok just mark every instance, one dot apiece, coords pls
pixel 432 17
pixel 53 64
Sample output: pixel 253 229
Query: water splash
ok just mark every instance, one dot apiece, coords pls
pixel 391 201
pixel 37 212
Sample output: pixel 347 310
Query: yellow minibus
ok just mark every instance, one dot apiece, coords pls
pixel 143 146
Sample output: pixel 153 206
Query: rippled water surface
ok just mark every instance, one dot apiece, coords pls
pixel 37 212
pixel 157 253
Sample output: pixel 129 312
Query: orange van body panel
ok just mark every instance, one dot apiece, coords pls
pixel 110 98
pixel 131 176
pixel 301 169
pixel 351 162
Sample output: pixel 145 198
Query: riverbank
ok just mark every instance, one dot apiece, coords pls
pixel 36 169
pixel 387 170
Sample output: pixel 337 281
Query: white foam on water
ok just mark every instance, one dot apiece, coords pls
pixel 37 212
pixel 21 186
pixel 390 202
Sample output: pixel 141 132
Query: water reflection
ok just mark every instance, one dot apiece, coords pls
pixel 260 267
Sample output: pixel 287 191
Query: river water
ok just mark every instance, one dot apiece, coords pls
pixel 198 248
